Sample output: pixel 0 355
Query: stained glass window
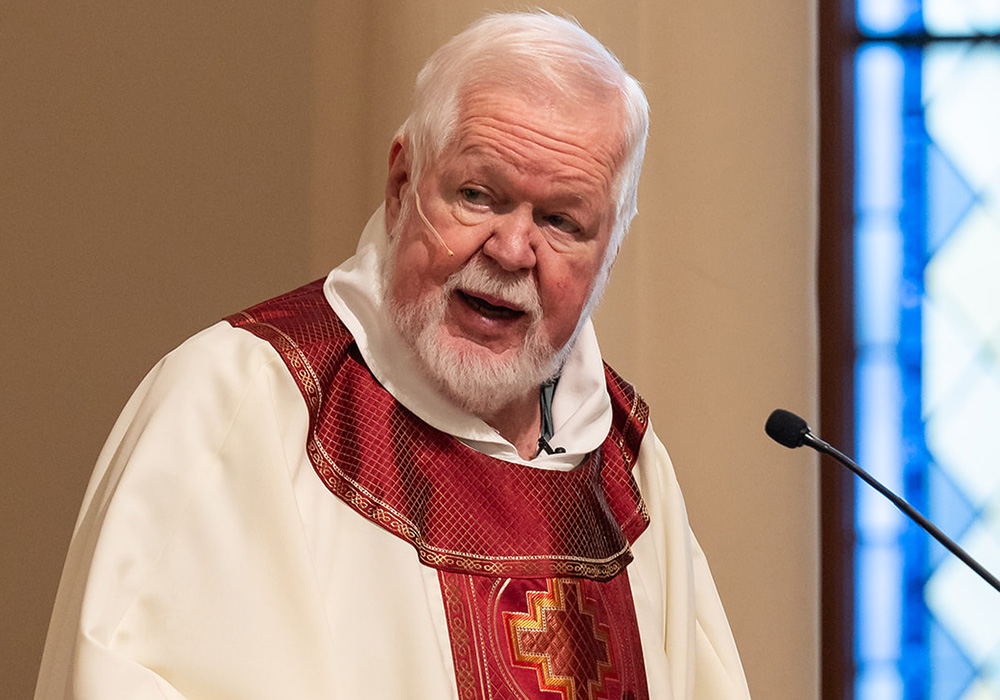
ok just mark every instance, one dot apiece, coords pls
pixel 927 334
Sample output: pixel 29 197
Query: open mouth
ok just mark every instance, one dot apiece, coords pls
pixel 485 308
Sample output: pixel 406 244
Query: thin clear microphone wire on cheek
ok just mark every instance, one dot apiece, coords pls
pixel 427 223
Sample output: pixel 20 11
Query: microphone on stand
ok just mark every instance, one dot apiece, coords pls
pixel 786 428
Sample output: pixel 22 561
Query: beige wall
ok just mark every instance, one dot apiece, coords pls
pixel 162 164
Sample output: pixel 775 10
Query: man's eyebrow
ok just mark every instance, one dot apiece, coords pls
pixel 564 191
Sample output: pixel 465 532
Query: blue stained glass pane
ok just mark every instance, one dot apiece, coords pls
pixel 959 17
pixel 878 279
pixel 955 671
pixel 880 681
pixel 878 195
pixel 879 444
pixel 878 570
pixel 963 109
pixel 949 197
pixel 886 17
pixel 878 135
pixel 966 606
pixel 949 508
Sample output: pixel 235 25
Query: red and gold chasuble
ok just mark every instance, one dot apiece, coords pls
pixel 531 562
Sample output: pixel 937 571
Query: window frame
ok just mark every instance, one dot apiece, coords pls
pixel 838 39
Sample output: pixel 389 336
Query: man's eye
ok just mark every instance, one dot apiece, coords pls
pixel 473 196
pixel 561 223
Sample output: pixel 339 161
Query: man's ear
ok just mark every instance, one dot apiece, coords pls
pixel 397 180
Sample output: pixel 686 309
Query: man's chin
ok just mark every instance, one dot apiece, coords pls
pixel 484 353
pixel 480 379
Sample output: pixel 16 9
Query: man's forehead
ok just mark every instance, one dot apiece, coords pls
pixel 502 129
pixel 582 105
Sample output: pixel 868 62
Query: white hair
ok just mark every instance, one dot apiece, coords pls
pixel 527 52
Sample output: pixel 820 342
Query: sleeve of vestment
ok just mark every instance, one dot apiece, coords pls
pixel 187 575
pixel 688 644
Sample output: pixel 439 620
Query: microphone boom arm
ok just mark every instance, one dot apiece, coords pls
pixel 791 431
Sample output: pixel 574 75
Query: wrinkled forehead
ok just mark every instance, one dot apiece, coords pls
pixel 546 93
pixel 583 127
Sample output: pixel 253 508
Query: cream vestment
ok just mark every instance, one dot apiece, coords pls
pixel 210 561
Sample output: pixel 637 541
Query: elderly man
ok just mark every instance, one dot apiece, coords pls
pixel 415 479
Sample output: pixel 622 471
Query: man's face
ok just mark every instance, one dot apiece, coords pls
pixel 522 196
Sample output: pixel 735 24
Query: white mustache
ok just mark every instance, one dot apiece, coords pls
pixel 477 277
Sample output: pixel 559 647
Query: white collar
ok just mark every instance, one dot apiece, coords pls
pixel 581 408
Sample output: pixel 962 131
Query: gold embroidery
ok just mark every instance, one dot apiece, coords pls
pixel 559 637
pixel 461 638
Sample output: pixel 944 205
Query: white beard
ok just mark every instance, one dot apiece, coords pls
pixel 479 380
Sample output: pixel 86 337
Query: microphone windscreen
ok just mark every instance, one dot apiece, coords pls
pixel 786 428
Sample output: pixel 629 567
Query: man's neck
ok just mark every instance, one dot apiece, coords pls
pixel 519 423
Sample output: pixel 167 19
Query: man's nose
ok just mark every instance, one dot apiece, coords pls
pixel 512 239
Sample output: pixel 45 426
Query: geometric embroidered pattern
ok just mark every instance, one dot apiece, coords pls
pixel 560 639
pixel 544 639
